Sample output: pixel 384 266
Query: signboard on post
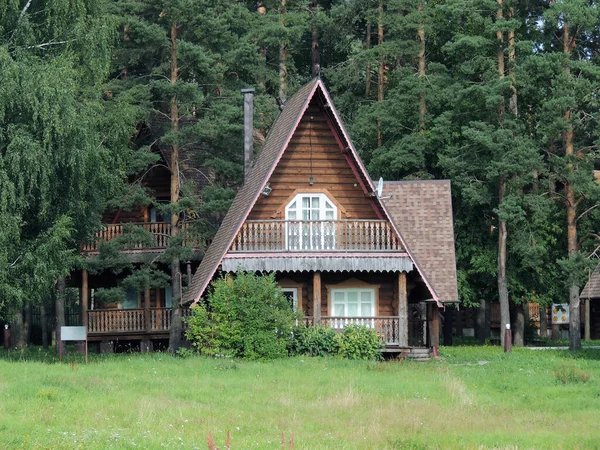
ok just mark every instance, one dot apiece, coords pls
pixel 560 313
pixel 74 334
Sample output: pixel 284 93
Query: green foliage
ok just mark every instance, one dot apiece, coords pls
pixel 360 342
pixel 354 342
pixel 318 340
pixel 244 317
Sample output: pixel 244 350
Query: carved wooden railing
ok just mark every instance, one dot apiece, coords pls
pixel 116 320
pixel 386 327
pixel 319 235
pixel 160 231
pixel 131 320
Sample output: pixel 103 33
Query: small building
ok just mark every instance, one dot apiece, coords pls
pixel 590 301
pixel 342 250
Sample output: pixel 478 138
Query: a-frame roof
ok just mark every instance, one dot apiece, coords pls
pixel 277 141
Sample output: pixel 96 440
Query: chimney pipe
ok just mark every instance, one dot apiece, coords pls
pixel 248 131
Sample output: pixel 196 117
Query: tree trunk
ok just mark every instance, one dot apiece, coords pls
pixel 502 280
pixel 16 331
pixel 519 326
pixel 283 73
pixel 176 327
pixel 263 51
pixel 458 323
pixel 27 324
pixel 422 102
pixel 574 318
pixel 512 58
pixel 543 322
pixel 502 229
pixel 44 325
pixel 315 54
pixel 368 68
pixel 483 321
pixel 380 71
pixel 60 313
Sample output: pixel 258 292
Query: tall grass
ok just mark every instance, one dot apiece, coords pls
pixel 471 398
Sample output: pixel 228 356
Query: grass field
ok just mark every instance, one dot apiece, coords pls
pixel 473 397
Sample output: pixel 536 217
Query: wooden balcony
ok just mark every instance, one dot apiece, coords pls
pixel 319 236
pixel 130 321
pixel 160 234
pixel 386 327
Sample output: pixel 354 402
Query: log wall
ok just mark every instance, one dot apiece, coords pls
pixel 314 150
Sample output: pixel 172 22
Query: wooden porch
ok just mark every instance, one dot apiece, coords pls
pixel 316 235
pixel 132 324
pixel 159 233
pixel 386 327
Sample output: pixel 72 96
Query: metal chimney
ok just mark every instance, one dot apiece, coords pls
pixel 248 131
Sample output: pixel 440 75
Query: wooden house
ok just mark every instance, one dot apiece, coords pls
pixel 342 252
pixel 590 305
pixel 142 316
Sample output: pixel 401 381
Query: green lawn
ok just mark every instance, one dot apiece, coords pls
pixel 473 397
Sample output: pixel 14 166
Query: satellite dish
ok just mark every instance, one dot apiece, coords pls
pixel 380 187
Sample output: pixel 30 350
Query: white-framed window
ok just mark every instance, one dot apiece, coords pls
pixel 311 222
pixel 353 302
pixel 291 293
pixel 351 306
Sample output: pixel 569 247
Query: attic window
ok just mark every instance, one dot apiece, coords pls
pixel 310 222
pixel 310 207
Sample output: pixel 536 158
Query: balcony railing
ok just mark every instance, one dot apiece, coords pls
pixel 386 327
pixel 318 235
pixel 106 321
pixel 160 231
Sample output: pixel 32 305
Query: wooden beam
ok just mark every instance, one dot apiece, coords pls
pixel 147 320
pixel 434 327
pixel 317 297
pixel 587 328
pixel 84 297
pixel 402 310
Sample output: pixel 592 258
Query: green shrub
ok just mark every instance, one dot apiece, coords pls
pixel 318 340
pixel 245 317
pixel 570 373
pixel 360 342
pixel 354 342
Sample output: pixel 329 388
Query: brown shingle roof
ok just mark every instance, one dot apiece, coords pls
pixel 276 141
pixel 592 287
pixel 422 210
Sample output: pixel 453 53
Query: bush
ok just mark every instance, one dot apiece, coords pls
pixel 354 342
pixel 317 340
pixel 359 342
pixel 570 373
pixel 245 317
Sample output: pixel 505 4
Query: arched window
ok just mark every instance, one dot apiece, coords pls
pixel 311 222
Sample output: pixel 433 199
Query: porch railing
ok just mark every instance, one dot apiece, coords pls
pixel 160 231
pixel 131 320
pixel 318 235
pixel 386 327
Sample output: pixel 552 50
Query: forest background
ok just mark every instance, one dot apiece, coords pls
pixel 500 96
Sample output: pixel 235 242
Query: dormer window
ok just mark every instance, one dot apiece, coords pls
pixel 310 207
pixel 310 222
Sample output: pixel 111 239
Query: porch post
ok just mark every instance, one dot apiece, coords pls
pixel 402 311
pixel 317 297
pixel 146 344
pixel 587 328
pixel 84 298
pixel 147 310
pixel 434 327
